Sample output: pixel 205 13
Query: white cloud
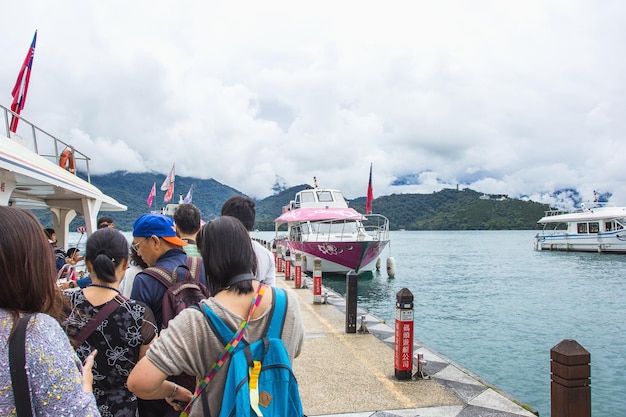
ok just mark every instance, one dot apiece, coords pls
pixel 519 98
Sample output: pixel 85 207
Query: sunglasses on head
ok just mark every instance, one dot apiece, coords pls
pixel 103 225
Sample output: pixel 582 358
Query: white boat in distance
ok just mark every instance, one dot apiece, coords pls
pixel 598 227
pixel 32 178
pixel 321 225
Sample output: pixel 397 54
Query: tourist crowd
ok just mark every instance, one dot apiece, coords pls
pixel 107 344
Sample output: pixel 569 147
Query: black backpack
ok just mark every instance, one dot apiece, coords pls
pixel 180 293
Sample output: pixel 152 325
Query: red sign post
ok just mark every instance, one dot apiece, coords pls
pixel 288 266
pixel 317 281
pixel 298 277
pixel 403 340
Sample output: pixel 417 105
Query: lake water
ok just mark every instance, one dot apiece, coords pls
pixel 488 302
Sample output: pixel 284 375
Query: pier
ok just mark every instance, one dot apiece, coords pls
pixel 352 374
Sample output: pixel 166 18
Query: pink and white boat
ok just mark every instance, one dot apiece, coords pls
pixel 321 225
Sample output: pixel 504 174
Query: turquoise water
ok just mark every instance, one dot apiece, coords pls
pixel 487 301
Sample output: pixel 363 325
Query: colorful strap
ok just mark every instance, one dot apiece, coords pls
pixel 228 349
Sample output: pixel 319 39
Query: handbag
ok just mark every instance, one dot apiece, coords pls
pixel 226 352
pixel 17 364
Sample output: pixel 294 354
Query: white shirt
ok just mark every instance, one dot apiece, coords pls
pixel 265 265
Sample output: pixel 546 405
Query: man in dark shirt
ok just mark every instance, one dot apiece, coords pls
pixel 155 240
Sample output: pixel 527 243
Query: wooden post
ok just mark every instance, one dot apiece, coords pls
pixel 570 383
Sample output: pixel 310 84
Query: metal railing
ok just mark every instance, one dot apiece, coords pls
pixel 43 143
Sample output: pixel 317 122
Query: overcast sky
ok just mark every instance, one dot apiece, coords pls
pixel 516 97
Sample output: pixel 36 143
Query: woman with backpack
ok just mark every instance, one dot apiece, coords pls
pixel 48 381
pixel 190 345
pixel 100 318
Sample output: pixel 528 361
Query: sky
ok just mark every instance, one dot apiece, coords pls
pixel 524 98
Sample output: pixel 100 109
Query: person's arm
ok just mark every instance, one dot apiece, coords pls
pixel 148 382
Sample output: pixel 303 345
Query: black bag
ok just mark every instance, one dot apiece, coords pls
pixel 180 293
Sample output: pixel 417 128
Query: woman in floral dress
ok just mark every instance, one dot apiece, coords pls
pixel 123 337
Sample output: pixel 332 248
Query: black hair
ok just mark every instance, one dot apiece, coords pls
pixel 71 251
pixel 227 251
pixel 136 259
pixel 187 218
pixel 106 249
pixel 49 233
pixel 105 219
pixel 241 208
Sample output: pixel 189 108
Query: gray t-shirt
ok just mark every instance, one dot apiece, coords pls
pixel 189 345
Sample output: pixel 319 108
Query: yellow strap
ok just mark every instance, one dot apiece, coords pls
pixel 254 372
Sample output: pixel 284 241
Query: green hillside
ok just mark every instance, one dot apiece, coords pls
pixel 443 210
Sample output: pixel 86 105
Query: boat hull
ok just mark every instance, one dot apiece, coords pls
pixel 339 257
pixel 613 242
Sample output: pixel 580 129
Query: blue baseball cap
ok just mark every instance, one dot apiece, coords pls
pixel 157 225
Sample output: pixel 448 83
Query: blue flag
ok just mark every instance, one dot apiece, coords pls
pixel 189 195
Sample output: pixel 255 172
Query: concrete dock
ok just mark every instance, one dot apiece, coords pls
pixel 352 375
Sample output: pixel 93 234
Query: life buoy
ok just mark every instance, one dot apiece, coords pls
pixel 67 161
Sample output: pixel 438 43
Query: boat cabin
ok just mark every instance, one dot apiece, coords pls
pixel 317 198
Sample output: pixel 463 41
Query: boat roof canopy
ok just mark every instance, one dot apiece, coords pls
pixel 595 214
pixel 319 214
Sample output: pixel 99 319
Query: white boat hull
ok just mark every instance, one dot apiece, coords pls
pixel 614 242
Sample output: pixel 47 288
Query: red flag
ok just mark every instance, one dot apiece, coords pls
pixel 169 193
pixel 151 195
pixel 370 195
pixel 21 85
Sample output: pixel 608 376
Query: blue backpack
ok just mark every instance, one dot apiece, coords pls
pixel 260 380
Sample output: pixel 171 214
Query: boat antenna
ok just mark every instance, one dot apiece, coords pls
pixel 314 182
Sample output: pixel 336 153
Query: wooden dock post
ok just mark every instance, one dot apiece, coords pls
pixel 570 389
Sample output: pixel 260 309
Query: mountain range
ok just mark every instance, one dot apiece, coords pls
pixel 448 209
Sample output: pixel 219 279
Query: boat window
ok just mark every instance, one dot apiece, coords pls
pixel 594 227
pixel 608 226
pixel 338 228
pixel 582 227
pixel 307 197
pixel 338 196
pixel 324 197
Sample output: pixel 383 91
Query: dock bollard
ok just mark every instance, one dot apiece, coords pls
pixel 570 391
pixel 288 265
pixel 317 281
pixel 298 272
pixel 351 296
pixel 279 259
pixel 403 342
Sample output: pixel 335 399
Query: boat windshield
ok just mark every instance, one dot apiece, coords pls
pixel 324 196
pixel 340 227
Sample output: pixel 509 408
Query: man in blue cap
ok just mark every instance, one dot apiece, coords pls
pixel 155 240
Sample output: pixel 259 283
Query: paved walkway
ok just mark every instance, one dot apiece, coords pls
pixel 352 375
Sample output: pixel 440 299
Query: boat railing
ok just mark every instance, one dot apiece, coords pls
pixel 584 207
pixel 43 143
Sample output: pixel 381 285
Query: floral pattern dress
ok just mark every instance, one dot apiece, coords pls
pixel 118 340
